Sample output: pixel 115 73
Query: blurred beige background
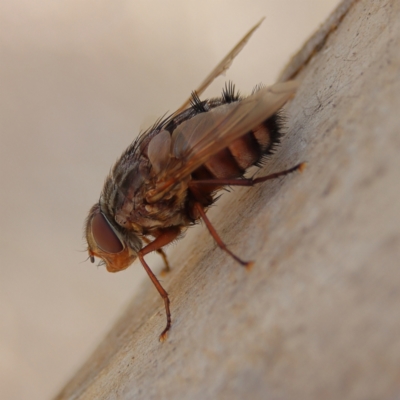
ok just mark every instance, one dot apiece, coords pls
pixel 78 81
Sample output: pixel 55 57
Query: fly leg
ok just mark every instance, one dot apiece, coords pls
pixel 166 268
pixel 165 237
pixel 234 182
pixel 246 181
pixel 163 255
pixel 218 240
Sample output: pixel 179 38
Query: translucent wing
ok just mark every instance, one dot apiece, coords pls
pixel 196 140
pixel 222 66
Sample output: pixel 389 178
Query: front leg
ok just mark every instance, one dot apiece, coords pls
pixel 161 252
pixel 165 237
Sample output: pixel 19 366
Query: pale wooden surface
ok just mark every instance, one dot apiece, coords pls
pixel 318 315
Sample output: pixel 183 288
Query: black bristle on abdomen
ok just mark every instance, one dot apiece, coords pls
pixel 274 126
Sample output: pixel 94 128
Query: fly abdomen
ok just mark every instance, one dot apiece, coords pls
pixel 233 161
pixel 223 165
pixel 268 134
pixel 241 154
pixel 246 150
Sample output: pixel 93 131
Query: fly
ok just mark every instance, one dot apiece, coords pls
pixel 168 177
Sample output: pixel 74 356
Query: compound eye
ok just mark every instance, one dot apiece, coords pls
pixel 104 235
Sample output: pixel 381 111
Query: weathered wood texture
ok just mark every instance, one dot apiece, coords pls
pixel 318 316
